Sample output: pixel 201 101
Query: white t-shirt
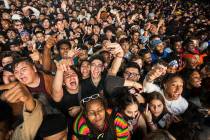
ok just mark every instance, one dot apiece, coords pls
pixel 175 107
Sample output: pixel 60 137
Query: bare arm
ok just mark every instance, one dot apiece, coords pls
pixel 118 53
pixel 46 59
pixel 57 91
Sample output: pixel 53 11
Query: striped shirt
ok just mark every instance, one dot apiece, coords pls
pixel 121 127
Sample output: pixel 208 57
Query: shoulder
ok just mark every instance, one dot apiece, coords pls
pixel 183 101
pixel 121 127
pixel 120 122
pixel 80 125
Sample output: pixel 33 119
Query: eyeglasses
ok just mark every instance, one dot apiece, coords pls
pixel 92 97
pixel 129 74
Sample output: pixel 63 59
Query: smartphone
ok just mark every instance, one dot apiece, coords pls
pixel 162 122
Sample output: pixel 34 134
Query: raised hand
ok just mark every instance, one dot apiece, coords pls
pixel 35 55
pixel 63 65
pixel 17 93
pixel 138 87
pixel 156 72
pixel 148 114
pixel 50 42
pixel 114 48
pixel 73 52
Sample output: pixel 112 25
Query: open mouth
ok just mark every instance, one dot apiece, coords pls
pixel 73 83
pixel 24 79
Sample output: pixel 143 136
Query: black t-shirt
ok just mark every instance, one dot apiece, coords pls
pixel 69 100
pixel 106 86
pixel 88 88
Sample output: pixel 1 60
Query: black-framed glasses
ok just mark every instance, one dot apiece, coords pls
pixel 130 74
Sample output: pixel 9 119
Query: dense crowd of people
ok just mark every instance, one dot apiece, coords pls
pixel 105 70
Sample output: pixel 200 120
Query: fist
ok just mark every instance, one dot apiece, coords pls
pixel 17 93
pixel 50 42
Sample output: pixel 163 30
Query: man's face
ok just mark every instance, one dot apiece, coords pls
pixel 60 16
pixel 178 47
pixel 19 26
pixel 132 74
pixel 25 73
pixel 74 14
pixel 160 48
pixel 64 48
pixel 60 25
pixel 11 34
pixel 96 30
pixel 173 88
pixel 40 37
pixel 71 79
pixel 96 67
pixel 5 24
pixel 6 16
pixel 136 37
pixel 15 48
pixel 147 58
pixel 74 25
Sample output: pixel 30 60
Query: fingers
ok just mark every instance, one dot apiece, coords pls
pixel 16 94
pixel 63 65
pixel 147 107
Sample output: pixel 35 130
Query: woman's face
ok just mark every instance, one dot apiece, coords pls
pixel 173 88
pixel 96 114
pixel 85 69
pixel 178 47
pixel 131 111
pixel 71 80
pixel 156 107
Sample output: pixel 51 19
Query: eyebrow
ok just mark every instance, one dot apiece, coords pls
pixel 97 109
